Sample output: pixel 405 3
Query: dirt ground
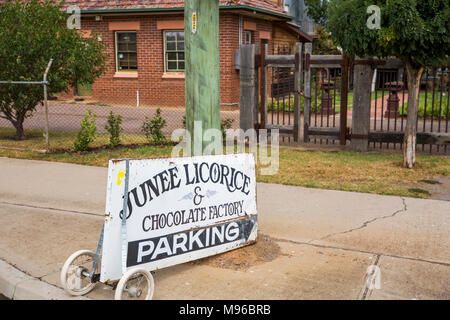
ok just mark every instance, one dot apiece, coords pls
pixel 440 190
pixel 437 188
pixel 264 250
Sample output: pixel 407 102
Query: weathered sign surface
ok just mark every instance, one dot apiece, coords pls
pixel 179 210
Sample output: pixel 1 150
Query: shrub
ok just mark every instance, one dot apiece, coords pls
pixel 86 135
pixel 113 127
pixel 152 128
pixel 224 126
pixel 26 46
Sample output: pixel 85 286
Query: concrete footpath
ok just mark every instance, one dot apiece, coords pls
pixel 314 244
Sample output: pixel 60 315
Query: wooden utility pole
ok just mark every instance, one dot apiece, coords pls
pixel 201 32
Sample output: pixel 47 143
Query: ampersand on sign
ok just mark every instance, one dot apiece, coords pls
pixel 198 197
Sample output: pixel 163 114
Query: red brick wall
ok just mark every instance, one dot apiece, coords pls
pixel 229 43
pixel 153 88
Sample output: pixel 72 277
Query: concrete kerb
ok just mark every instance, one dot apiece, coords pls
pixel 17 285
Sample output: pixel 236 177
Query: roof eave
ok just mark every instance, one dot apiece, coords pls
pixel 175 9
pixel 296 29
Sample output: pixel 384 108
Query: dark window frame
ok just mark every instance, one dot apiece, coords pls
pixel 248 33
pixel 128 52
pixel 178 53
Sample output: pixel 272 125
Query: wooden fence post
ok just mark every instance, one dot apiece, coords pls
pixel 264 75
pixel 361 107
pixel 307 93
pixel 298 89
pixel 248 86
pixel 344 101
pixel 257 90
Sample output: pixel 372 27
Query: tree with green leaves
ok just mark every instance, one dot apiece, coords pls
pixel 415 31
pixel 317 10
pixel 31 33
pixel 323 42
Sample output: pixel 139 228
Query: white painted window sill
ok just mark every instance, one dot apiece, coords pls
pixel 173 75
pixel 126 75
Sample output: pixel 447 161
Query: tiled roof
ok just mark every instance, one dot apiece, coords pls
pixel 168 4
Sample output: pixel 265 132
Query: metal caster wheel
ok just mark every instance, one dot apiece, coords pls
pixel 135 284
pixel 75 273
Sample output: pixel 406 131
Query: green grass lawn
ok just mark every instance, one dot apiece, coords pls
pixel 379 173
pixel 437 107
pixel 287 105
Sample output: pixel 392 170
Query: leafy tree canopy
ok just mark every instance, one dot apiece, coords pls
pixel 31 33
pixel 317 10
pixel 324 43
pixel 417 31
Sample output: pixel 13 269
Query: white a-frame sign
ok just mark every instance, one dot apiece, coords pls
pixel 178 210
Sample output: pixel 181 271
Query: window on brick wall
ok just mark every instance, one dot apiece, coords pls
pixel 126 51
pixel 248 37
pixel 174 51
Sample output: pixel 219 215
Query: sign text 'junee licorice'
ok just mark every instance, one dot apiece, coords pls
pixel 178 210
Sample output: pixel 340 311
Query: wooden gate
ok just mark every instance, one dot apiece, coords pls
pixel 297 87
pixel 277 89
pixel 281 106
pixel 326 95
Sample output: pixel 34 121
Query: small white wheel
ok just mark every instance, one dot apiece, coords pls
pixel 74 277
pixel 135 284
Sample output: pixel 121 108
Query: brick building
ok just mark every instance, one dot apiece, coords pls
pixel 146 45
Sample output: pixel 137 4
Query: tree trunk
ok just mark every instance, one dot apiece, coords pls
pixel 20 135
pixel 409 141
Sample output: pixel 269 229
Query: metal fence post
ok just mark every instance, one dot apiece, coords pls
pixel 44 81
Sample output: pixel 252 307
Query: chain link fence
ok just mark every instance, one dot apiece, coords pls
pixel 66 112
